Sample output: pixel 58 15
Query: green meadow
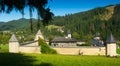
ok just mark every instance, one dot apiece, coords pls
pixel 10 59
pixel 3 47
pixel 19 59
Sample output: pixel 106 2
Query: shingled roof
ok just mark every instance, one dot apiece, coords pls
pixel 62 39
pixel 111 39
pixel 13 38
pixel 39 32
pixel 68 32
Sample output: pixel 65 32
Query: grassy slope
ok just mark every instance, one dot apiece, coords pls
pixel 108 15
pixel 8 59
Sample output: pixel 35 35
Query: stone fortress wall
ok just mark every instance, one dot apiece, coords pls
pixel 33 47
pixel 27 47
pixel 81 50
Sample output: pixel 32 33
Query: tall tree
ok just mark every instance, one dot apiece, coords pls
pixel 6 6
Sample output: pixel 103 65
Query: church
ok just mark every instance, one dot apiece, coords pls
pixel 96 41
pixel 63 45
pixel 67 41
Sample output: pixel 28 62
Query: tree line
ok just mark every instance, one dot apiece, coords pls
pixel 84 25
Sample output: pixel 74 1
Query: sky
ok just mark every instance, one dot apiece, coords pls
pixel 62 7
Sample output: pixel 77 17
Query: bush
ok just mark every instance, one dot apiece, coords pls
pixel 118 50
pixel 45 49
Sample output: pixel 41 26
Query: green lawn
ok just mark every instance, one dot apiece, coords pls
pixel 8 59
pixel 4 48
pixel 11 59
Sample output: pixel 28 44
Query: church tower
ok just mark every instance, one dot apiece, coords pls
pixel 13 44
pixel 39 34
pixel 111 46
pixel 69 34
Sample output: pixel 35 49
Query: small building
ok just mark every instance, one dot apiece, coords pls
pixel 39 35
pixel 67 41
pixel 63 42
pixel 96 41
pixel 111 46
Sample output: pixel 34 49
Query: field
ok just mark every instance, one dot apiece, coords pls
pixel 3 48
pixel 11 59
pixel 8 59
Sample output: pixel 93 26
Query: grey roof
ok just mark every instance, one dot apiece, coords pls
pixel 96 42
pixel 111 39
pixel 62 39
pixel 97 34
pixel 39 32
pixel 68 32
pixel 13 38
pixel 29 42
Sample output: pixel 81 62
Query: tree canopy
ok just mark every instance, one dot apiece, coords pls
pixel 43 12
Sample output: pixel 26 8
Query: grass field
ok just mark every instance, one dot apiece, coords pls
pixel 11 59
pixel 8 59
pixel 4 48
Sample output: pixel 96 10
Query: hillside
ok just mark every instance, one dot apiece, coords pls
pixel 15 24
pixel 83 25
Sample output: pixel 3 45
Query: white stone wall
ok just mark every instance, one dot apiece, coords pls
pixel 13 47
pixel 111 49
pixel 29 49
pixel 92 51
pixel 80 43
pixel 67 51
pixel 69 35
pixel 82 51
pixel 32 47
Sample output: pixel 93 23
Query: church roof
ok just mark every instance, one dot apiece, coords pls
pixel 68 32
pixel 13 38
pixel 111 39
pixel 97 42
pixel 62 39
pixel 39 32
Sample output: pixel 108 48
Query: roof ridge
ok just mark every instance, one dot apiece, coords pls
pixel 111 39
pixel 13 38
pixel 39 32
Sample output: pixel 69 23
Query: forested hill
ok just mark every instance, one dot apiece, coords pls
pixel 84 24
pixel 15 24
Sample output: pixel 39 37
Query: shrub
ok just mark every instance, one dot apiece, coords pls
pixel 118 50
pixel 45 49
